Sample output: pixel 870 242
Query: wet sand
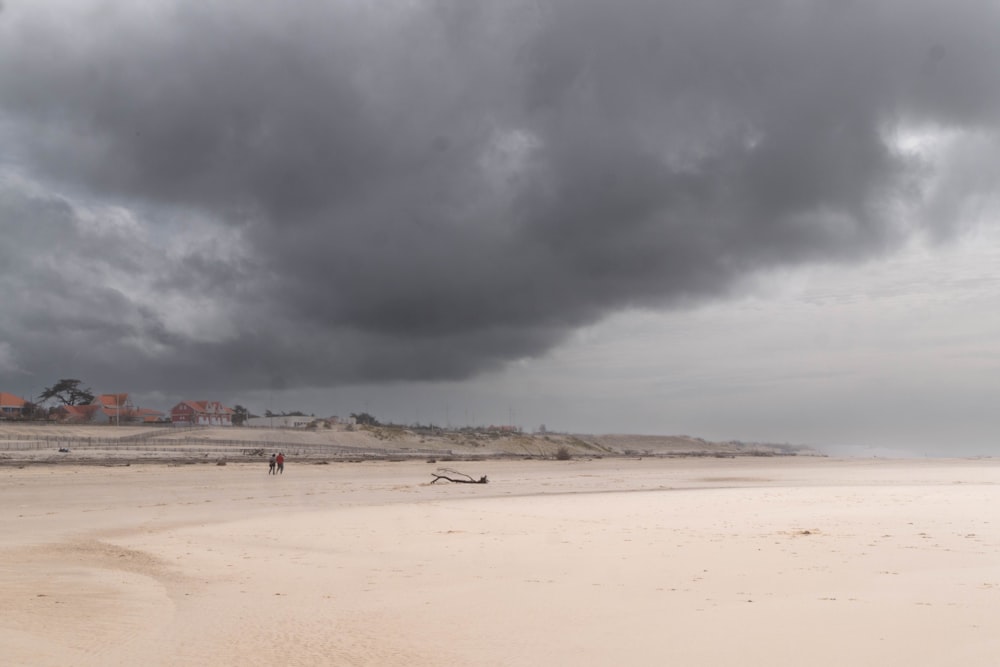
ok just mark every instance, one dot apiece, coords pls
pixel 757 561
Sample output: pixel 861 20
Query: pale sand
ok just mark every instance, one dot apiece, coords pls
pixel 608 562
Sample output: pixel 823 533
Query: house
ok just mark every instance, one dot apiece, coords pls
pixel 76 414
pixel 108 409
pixel 114 409
pixel 151 416
pixel 10 405
pixel 201 413
pixel 279 421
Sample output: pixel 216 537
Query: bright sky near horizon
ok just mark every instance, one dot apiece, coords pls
pixel 774 221
pixel 898 356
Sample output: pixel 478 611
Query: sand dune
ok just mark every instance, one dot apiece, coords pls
pixel 786 561
pixel 60 443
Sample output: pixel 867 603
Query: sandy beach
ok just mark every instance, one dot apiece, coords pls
pixel 752 561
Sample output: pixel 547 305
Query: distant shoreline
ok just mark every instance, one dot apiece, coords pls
pixel 52 444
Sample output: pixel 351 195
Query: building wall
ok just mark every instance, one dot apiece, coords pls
pixel 183 414
pixel 279 422
pixel 11 405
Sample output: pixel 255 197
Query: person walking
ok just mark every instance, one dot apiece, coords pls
pixel 271 463
pixel 281 463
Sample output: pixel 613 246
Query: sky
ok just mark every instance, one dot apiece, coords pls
pixel 770 221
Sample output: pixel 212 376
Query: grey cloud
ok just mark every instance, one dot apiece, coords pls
pixel 430 190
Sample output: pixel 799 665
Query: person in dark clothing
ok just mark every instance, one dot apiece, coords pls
pixel 271 463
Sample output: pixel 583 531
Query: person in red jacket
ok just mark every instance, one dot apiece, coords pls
pixel 281 463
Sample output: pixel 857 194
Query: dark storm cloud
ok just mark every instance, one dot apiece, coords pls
pixel 431 189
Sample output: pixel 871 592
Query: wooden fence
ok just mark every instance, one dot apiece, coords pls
pixel 209 446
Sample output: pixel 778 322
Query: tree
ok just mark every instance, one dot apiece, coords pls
pixel 240 415
pixel 33 411
pixel 68 392
pixel 283 413
pixel 364 418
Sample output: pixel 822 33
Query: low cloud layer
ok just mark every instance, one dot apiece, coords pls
pixel 194 197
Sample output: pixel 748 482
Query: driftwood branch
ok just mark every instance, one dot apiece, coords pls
pixel 462 478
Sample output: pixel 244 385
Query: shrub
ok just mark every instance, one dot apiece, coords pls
pixel 562 454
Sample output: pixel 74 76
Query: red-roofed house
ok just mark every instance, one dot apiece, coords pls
pixel 151 416
pixel 78 414
pixel 10 405
pixel 108 409
pixel 201 413
pixel 114 409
